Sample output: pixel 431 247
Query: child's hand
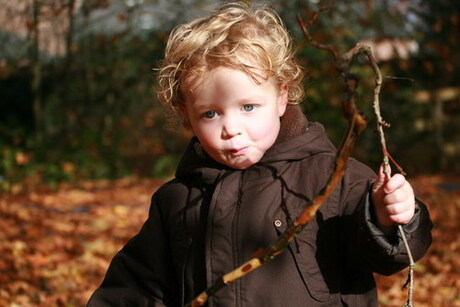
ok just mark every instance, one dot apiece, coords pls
pixel 394 200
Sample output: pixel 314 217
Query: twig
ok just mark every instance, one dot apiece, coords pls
pixel 410 276
pixel 356 124
pixel 386 157
pixel 343 64
pixel 312 41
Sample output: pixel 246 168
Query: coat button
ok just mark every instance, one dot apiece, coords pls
pixel 278 223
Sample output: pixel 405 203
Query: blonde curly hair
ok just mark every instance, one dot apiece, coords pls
pixel 253 40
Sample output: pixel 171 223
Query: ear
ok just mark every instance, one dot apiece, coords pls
pixel 282 99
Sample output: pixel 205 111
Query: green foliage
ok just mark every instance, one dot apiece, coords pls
pixel 101 118
pixel 433 26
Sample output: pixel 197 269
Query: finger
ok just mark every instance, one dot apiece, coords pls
pixel 402 199
pixel 396 197
pixel 401 218
pixel 394 183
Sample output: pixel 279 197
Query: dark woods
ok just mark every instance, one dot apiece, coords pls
pixel 77 83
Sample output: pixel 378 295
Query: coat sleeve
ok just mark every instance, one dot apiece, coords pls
pixel 387 254
pixel 141 273
pixel 383 254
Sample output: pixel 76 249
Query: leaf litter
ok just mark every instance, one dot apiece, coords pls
pixel 56 245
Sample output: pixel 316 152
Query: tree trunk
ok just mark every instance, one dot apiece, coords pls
pixel 66 70
pixel 36 71
pixel 69 36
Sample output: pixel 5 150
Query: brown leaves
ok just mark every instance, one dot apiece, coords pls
pixel 437 275
pixel 55 247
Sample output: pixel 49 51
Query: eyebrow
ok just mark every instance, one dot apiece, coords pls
pixel 251 99
pixel 205 105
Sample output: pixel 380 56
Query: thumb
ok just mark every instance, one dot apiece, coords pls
pixel 381 179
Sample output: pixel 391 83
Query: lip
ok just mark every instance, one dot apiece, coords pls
pixel 239 151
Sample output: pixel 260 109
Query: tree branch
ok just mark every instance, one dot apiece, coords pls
pixel 386 160
pixel 356 124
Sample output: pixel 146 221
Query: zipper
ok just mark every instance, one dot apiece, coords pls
pixel 208 232
pixel 236 244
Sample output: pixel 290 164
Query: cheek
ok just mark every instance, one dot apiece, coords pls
pixel 207 135
pixel 262 131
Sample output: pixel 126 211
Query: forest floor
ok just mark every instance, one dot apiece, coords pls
pixel 55 246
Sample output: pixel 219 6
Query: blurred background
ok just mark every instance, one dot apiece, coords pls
pixel 84 141
pixel 77 80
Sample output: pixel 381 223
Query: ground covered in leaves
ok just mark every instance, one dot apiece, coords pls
pixel 55 246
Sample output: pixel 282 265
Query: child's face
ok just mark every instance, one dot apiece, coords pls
pixel 235 119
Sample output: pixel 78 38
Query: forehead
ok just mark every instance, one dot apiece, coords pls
pixel 203 76
pixel 226 86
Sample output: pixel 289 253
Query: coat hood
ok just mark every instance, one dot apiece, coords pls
pixel 297 140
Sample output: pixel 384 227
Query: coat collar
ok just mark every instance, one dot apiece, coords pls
pixel 293 123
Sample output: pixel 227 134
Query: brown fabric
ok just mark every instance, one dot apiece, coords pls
pixel 210 219
pixel 293 123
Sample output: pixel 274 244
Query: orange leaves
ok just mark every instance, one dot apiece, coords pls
pixel 22 158
pixel 55 246
pixel 437 275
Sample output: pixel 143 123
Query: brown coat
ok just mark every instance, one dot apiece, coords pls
pixel 210 219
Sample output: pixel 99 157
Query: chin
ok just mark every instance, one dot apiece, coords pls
pixel 242 165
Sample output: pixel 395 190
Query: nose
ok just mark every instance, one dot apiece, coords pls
pixel 231 127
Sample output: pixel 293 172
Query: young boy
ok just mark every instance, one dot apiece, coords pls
pixel 253 164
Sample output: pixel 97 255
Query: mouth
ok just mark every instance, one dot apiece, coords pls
pixel 239 151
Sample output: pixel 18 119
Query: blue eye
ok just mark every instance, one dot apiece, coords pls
pixel 248 107
pixel 209 114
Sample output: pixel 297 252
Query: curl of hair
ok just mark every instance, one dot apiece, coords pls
pixel 252 40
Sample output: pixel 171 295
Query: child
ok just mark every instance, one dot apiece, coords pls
pixel 253 164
